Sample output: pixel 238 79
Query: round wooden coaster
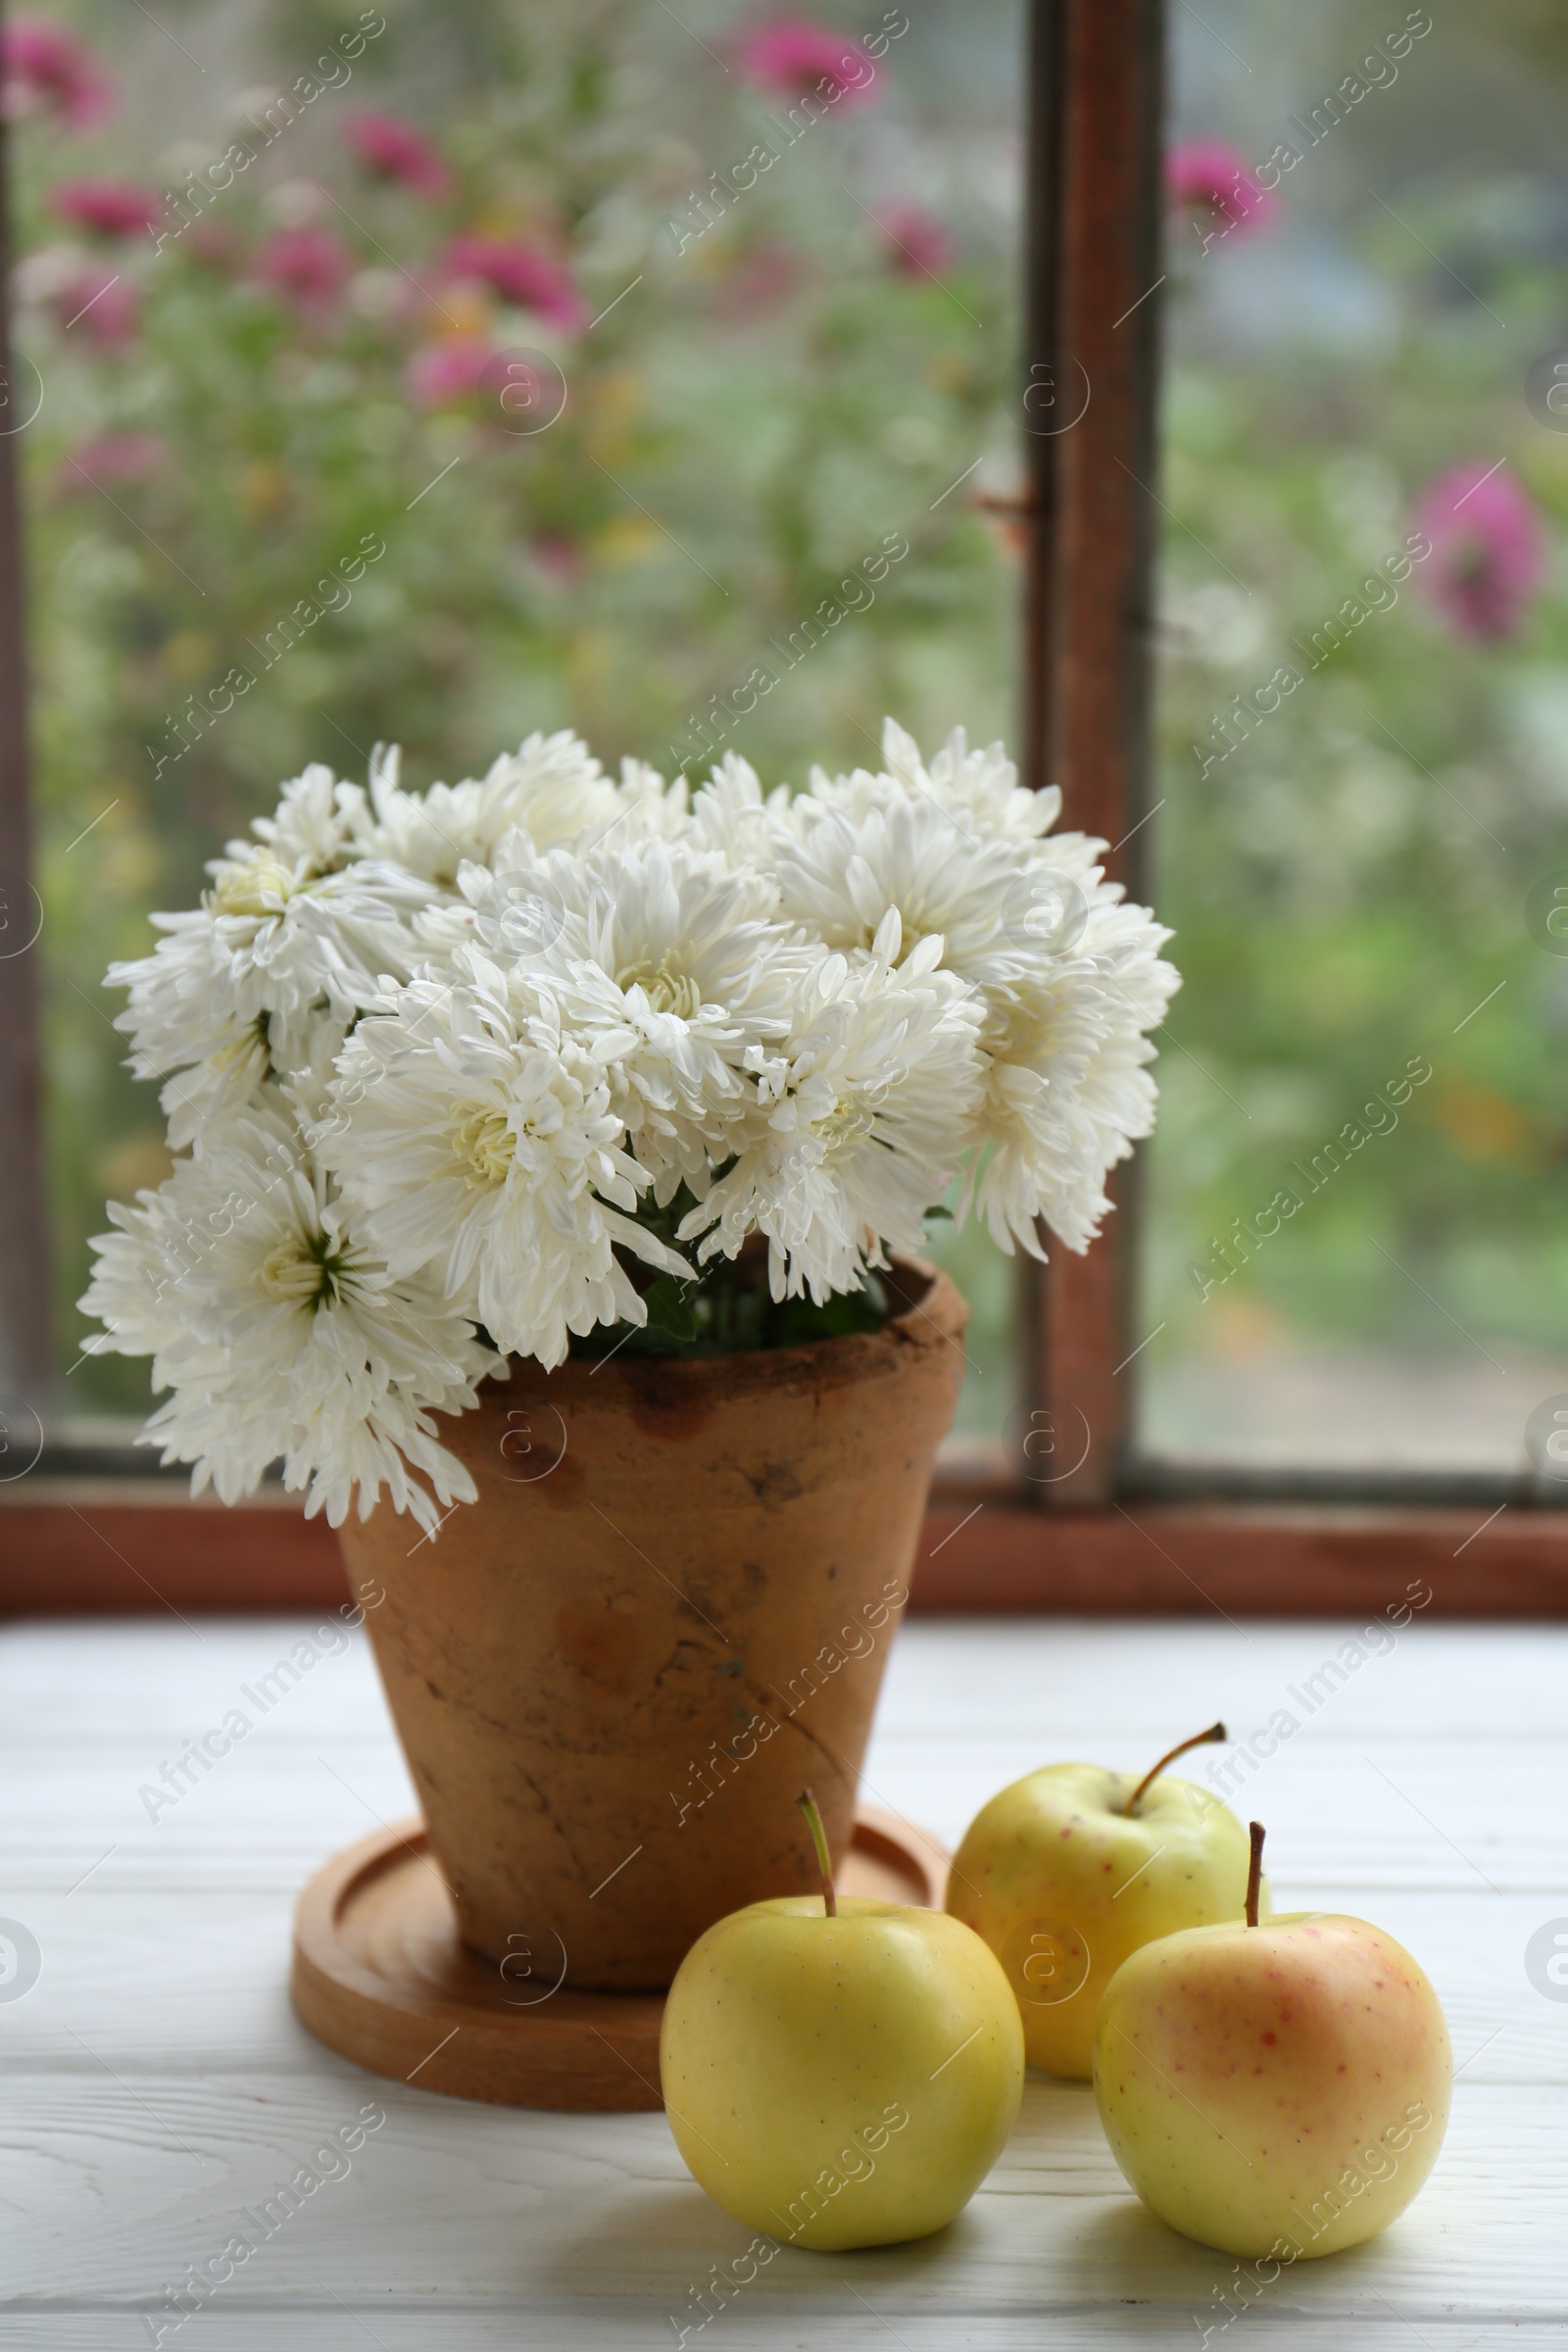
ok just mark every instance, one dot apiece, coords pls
pixel 381 1977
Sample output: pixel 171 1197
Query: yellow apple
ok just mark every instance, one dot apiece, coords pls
pixel 843 2080
pixel 1276 2090
pixel 1072 1868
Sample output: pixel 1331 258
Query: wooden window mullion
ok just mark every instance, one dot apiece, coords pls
pixel 1091 389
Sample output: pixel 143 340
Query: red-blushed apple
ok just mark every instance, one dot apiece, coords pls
pixel 1073 1867
pixel 840 2074
pixel 1278 2088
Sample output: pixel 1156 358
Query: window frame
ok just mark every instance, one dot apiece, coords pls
pixel 102 1528
pixel 25 1364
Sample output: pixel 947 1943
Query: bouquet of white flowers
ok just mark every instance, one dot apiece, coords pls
pixel 517 1067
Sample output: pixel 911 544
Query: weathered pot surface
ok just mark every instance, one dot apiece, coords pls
pixel 669 1611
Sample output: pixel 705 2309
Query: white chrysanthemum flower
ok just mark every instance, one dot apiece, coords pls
pixel 732 815
pixel 221 1061
pixel 511 906
pixel 1070 975
pixel 842 868
pixel 552 788
pixel 1067 1093
pixel 857 1121
pixel 645 805
pixel 317 827
pixel 280 1336
pixel 666 959
pixel 241 1066
pixel 980 788
pixel 673 966
pixel 478 1140
pixel 501 863
pixel 296 922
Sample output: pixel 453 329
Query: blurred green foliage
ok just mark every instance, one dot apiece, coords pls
pixel 1348 883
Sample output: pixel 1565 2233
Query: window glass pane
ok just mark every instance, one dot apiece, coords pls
pixel 290 496
pixel 1356 1245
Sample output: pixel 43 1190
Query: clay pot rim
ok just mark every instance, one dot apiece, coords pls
pixel 936 1315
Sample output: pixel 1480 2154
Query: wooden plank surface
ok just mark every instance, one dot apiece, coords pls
pixel 154 2081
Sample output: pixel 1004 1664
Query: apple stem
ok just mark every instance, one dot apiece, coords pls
pixel 1216 1731
pixel 1254 1871
pixel 824 1860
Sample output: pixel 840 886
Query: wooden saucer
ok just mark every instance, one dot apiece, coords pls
pixel 381 1977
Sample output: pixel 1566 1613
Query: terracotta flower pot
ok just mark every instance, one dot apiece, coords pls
pixel 670 1610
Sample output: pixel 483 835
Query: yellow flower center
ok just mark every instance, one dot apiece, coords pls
pixel 847 1122
pixel 666 991
pixel 303 1271
pixel 253 888
pixel 482 1145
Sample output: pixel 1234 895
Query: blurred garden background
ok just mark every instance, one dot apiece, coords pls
pixel 436 375
pixel 432 376
pixel 1359 350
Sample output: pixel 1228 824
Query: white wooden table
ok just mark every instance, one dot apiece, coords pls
pixel 155 2082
